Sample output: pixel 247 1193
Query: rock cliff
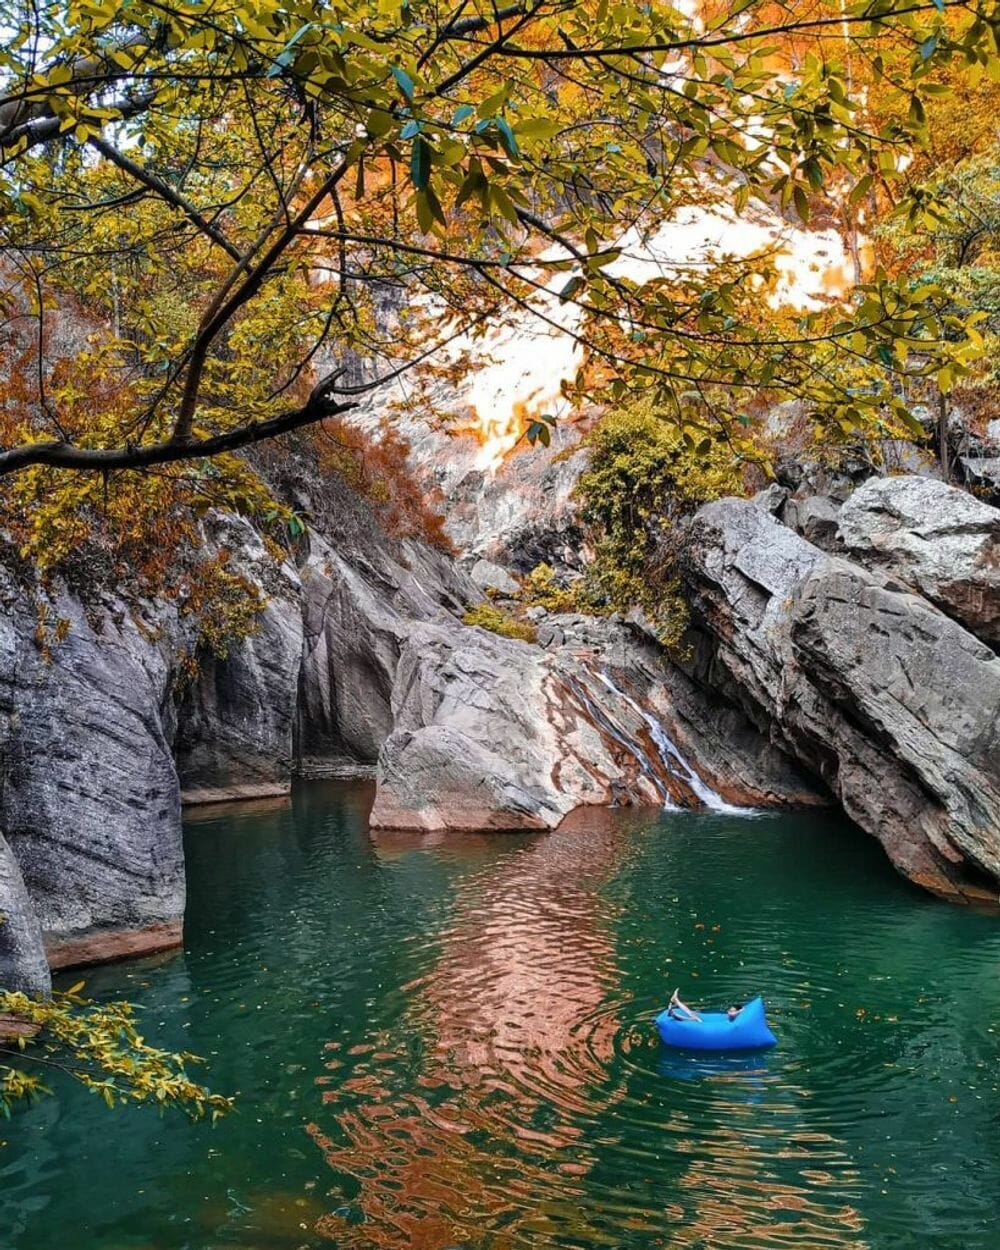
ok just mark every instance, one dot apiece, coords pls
pixel 869 686
pixel 89 801
pixel 236 722
pixel 942 542
pixel 23 965
pixel 808 676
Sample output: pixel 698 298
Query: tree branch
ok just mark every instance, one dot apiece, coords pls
pixel 318 407
pixel 165 192
pixel 573 53
pixel 41 129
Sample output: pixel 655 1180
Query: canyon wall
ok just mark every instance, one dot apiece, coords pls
pixel 360 664
pixel 853 670
pixel 860 671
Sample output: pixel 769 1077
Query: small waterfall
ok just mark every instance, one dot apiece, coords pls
pixel 673 760
pixel 600 717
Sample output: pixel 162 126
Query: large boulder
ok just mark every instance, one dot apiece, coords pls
pixel 870 687
pixel 23 965
pixel 89 798
pixel 494 733
pixel 236 720
pixel 938 539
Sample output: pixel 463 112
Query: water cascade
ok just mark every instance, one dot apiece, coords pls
pixel 600 716
pixel 673 761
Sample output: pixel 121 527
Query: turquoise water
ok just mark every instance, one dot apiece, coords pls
pixel 447 1043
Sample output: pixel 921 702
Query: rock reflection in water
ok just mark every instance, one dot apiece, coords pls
pixel 482 1119
pixel 516 1024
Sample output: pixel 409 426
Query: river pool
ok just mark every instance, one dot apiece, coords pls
pixel 447 1043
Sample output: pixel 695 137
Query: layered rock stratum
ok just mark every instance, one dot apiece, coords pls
pixel 866 684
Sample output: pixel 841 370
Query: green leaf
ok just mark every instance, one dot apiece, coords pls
pixel 403 81
pixel 571 288
pixel 537 128
pixel 420 163
pixel 475 184
pixel 503 204
pixel 495 102
pixel 429 210
pixel 379 123
pixel 507 138
pixel 860 190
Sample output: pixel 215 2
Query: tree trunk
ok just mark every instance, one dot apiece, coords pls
pixel 943 450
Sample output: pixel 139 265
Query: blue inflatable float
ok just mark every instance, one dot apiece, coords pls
pixel 715 1031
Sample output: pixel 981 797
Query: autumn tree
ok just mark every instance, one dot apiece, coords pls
pixel 232 194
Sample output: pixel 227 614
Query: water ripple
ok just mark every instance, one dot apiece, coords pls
pixel 447 1043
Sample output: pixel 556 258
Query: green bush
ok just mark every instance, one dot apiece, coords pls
pixel 487 616
pixel 643 477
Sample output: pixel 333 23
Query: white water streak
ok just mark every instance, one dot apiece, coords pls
pixel 672 758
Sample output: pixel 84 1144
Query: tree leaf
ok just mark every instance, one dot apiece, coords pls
pixel 420 163
pixel 403 81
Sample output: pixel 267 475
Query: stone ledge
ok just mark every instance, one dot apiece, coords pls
pixel 227 794
pixel 101 946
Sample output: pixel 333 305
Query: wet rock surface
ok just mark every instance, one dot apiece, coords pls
pixel 495 733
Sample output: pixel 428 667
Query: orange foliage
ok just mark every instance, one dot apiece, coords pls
pixel 375 466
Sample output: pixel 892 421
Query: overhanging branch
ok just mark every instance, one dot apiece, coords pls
pixel 64 455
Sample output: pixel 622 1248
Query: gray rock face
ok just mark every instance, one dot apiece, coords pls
pixel 90 801
pixel 771 499
pixel 236 721
pixel 744 767
pixel 23 965
pixel 493 733
pixel 518 510
pixel 359 609
pixel 713 736
pixel 936 538
pixel 871 688
pixel 490 576
pixel 816 520
pixel 982 473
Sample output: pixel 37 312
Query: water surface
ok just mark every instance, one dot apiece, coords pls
pixel 446 1043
